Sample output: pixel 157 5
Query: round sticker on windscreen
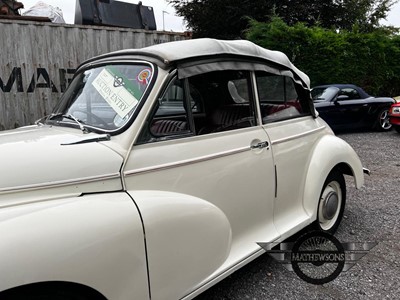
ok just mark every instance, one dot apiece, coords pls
pixel 144 76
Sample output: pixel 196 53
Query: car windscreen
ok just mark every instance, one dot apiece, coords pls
pixel 324 93
pixel 103 98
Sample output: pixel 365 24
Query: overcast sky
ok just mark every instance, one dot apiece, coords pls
pixel 171 22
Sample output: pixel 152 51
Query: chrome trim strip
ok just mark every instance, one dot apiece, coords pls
pixel 276 182
pixel 59 183
pixel 186 162
pixel 296 136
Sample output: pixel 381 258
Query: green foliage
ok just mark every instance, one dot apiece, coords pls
pixel 370 60
pixel 223 19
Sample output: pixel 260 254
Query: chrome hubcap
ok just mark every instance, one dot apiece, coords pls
pixel 329 205
pixel 384 120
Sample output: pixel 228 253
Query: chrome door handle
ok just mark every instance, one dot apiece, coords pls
pixel 260 145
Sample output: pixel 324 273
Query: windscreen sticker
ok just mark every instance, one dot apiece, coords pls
pixel 144 76
pixel 119 93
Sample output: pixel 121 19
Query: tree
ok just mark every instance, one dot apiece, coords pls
pixel 224 19
pixel 370 60
pixel 363 14
pixel 229 18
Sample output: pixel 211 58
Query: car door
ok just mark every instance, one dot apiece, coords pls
pixel 211 148
pixel 293 132
pixel 350 108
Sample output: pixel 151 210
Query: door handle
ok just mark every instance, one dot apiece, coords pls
pixel 260 145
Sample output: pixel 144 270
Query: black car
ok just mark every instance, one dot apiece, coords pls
pixel 347 106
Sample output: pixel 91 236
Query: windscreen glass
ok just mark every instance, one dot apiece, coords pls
pixel 103 98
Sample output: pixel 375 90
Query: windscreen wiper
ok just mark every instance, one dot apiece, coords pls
pixel 70 117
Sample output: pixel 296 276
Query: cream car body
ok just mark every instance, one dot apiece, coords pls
pixel 146 204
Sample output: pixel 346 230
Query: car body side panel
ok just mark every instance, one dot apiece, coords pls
pixel 327 153
pixel 354 112
pixel 221 169
pixel 94 240
pixel 293 136
pixel 187 239
pixel 347 113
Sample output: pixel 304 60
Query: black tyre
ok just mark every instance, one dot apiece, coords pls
pixel 331 203
pixel 382 122
pixel 49 292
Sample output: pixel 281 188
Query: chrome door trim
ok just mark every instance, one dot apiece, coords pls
pixel 296 136
pixel 186 162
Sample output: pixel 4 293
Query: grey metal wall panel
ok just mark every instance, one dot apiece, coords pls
pixel 37 61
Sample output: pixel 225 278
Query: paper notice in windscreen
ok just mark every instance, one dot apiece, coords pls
pixel 112 88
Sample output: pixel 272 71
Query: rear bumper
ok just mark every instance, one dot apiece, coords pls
pixel 394 120
pixel 366 171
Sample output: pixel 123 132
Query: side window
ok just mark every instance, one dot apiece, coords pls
pixel 348 94
pixel 172 101
pixel 279 98
pixel 170 118
pixel 227 100
pixel 218 101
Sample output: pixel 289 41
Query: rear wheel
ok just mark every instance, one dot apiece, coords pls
pixel 382 122
pixel 331 203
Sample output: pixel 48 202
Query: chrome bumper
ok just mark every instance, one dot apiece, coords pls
pixel 367 171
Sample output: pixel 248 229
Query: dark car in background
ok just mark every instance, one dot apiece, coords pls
pixel 347 106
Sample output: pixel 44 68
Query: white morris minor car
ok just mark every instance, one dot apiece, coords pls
pixel 159 171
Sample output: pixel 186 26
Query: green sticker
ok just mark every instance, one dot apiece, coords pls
pixel 117 91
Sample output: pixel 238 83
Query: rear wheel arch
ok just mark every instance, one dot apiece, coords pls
pixel 329 154
pixel 52 290
pixel 341 168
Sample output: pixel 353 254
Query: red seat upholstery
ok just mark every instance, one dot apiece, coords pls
pixel 165 127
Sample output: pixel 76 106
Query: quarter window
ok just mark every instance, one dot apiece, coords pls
pixel 279 98
pixel 227 99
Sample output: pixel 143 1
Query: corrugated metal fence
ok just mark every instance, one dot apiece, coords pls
pixel 38 60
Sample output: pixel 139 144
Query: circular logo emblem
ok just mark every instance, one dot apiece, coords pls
pixel 144 76
pixel 118 81
pixel 317 257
